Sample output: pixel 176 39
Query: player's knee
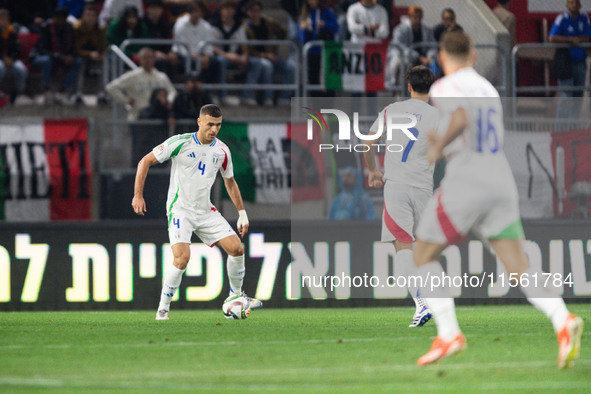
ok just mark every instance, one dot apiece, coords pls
pixel 236 250
pixel 181 260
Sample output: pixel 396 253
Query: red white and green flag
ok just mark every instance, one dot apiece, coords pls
pixel 354 67
pixel 274 163
pixel 45 169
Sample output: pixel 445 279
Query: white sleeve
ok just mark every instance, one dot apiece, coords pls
pixel 384 28
pixel 177 35
pixel 169 148
pixel 117 88
pixel 227 168
pixel 354 27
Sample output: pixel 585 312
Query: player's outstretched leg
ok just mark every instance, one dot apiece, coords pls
pixel 568 327
pixel 406 263
pixel 449 339
pixel 172 278
pixel 236 269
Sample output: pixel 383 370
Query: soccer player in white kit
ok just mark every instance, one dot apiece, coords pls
pixel 196 159
pixel 408 177
pixel 478 194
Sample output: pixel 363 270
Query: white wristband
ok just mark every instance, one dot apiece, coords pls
pixel 242 219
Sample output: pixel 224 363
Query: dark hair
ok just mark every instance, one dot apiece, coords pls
pixel 503 2
pixel 252 4
pixel 4 12
pixel 457 43
pixel 227 4
pixel 198 4
pixel 212 110
pixel 420 78
pixel 121 24
pixel 91 7
pixel 62 12
pixel 449 11
pixel 154 3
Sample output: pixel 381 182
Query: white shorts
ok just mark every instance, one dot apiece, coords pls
pixel 209 227
pixel 403 206
pixel 490 211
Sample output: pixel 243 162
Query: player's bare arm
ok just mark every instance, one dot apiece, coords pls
pixel 459 121
pixel 375 176
pixel 236 197
pixel 138 203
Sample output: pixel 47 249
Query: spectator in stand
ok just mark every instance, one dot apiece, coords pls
pixel 189 101
pixel 54 52
pixel 294 9
pixel 113 9
pixel 412 30
pixel 129 25
pixel 147 136
pixel 134 88
pixel 572 27
pixel 367 21
pixel 30 13
pixel 262 27
pixel 234 57
pixel 344 33
pixel 177 8
pixel 353 202
pixel 316 22
pixel 507 18
pixel 448 23
pixel 158 28
pixel 90 42
pixel 75 6
pixel 192 29
pixel 9 55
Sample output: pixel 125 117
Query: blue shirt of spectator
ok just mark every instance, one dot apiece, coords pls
pixel 565 25
pixel 353 202
pixel 319 23
pixel 75 6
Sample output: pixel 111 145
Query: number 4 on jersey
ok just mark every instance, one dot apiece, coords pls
pixel 201 167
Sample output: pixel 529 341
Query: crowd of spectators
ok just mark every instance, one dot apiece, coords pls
pixel 72 37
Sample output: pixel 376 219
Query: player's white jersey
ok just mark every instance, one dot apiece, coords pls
pixel 194 168
pixel 409 166
pixel 467 89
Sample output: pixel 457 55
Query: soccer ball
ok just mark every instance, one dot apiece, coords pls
pixel 238 308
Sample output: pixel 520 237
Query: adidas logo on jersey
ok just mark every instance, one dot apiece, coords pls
pixel 192 154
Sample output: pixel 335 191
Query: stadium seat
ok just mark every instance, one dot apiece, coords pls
pixel 27 42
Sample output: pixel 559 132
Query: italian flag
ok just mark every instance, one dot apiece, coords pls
pixel 45 169
pixel 354 67
pixel 274 161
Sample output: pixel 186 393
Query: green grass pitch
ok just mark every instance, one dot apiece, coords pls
pixel 510 348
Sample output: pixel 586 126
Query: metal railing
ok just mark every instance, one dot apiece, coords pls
pixel 307 87
pixel 503 88
pixel 541 89
pixel 158 41
pixel 253 86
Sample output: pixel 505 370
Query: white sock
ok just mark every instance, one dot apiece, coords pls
pixel 235 266
pixel 407 267
pixel 545 299
pixel 439 301
pixel 172 280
